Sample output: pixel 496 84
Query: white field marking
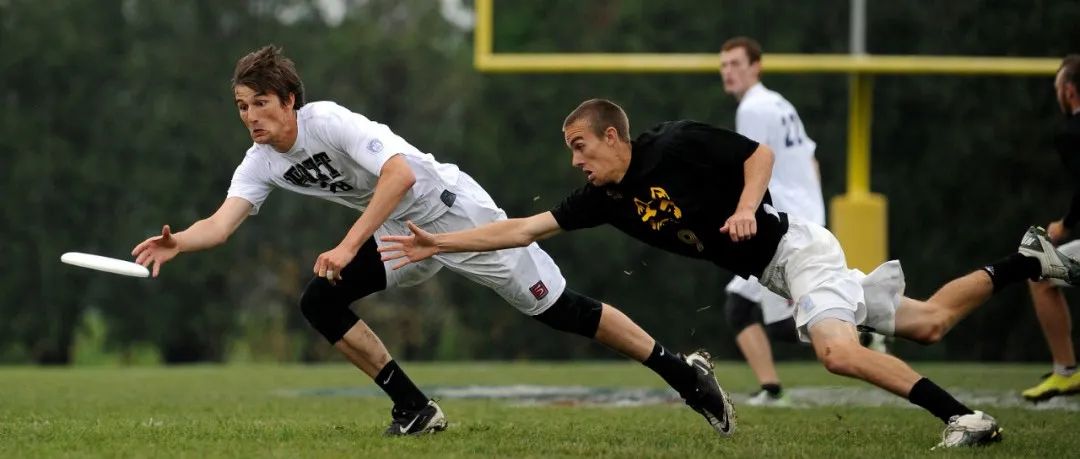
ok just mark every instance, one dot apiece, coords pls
pixel 801 397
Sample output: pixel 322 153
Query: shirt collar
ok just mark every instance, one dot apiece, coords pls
pixel 645 154
pixel 757 88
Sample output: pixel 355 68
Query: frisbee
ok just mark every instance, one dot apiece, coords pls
pixel 109 265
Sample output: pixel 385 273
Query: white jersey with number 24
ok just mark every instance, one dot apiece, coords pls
pixel 767 117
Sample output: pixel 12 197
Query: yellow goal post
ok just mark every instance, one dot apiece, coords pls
pixel 858 217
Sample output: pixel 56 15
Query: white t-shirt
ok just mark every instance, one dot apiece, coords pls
pixel 767 117
pixel 338 156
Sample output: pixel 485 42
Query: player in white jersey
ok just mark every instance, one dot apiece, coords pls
pixel 326 151
pixel 767 117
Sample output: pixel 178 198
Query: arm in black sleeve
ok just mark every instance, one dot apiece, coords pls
pixel 1073 214
pixel 1068 147
pixel 581 209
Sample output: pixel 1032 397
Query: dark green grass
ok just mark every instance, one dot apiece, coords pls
pixel 244 411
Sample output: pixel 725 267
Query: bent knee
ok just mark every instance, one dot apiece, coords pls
pixel 327 313
pixel 931 332
pixel 839 358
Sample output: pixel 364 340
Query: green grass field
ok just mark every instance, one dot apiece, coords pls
pixel 254 411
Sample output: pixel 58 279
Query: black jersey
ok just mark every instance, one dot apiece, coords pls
pixel 684 181
pixel 1067 142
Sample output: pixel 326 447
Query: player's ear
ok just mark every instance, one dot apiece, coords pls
pixel 291 101
pixel 611 135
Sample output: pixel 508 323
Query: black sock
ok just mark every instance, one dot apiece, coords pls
pixel 935 400
pixel 773 389
pixel 393 380
pixel 678 374
pixel 1012 268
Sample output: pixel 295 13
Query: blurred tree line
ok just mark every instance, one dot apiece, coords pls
pixel 117 118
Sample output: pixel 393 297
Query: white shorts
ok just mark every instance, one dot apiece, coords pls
pixel 809 267
pixel 774 308
pixel 526 277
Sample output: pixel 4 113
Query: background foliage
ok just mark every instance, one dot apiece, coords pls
pixel 116 118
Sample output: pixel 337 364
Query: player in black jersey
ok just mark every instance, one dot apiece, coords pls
pixel 700 191
pixel 1049 301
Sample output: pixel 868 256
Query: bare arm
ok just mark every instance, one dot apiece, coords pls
pixel 757 169
pixel 514 232
pixel 203 234
pixel 215 229
pixel 395 179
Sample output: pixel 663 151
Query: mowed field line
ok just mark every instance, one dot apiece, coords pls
pixel 239 411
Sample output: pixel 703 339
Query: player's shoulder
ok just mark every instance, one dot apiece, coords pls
pixel 325 118
pixel 677 138
pixel 255 161
pixel 763 102
pixel 323 109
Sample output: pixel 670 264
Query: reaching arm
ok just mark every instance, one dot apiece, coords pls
pixel 515 232
pixel 395 179
pixel 757 169
pixel 203 234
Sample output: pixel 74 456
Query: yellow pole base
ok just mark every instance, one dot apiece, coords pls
pixel 860 222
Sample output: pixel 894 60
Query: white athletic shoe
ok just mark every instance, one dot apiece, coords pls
pixel 764 398
pixel 1054 264
pixel 974 429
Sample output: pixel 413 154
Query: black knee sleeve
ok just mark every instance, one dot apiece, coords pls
pixel 330 316
pixel 326 307
pixel 573 313
pixel 741 312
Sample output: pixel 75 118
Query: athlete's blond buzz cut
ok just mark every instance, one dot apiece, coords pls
pixel 601 114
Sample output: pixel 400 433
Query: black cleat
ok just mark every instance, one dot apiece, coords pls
pixel 708 398
pixel 428 419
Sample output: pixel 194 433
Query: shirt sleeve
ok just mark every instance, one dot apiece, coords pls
pixel 581 209
pixel 712 147
pixel 248 183
pixel 1068 147
pixel 368 143
pixel 753 122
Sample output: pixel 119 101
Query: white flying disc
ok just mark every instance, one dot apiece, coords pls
pixel 100 263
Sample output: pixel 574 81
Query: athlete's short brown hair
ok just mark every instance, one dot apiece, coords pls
pixel 752 47
pixel 267 70
pixel 1071 67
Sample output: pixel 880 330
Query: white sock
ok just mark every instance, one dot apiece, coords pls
pixel 1064 370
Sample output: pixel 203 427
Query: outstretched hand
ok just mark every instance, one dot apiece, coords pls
pixel 156 250
pixel 410 249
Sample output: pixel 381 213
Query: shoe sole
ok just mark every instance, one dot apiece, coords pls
pixel 1051 394
pixel 437 424
pixel 994 436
